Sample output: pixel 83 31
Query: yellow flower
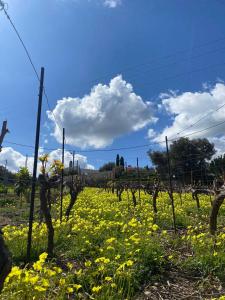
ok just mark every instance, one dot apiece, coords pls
pixel 39 288
pixel 77 286
pixel 155 227
pixel 43 256
pixel 102 260
pixel 58 270
pixel 110 248
pixel 78 272
pixel 88 263
pixel 69 265
pixel 96 289
pixel 50 272
pixel 15 272
pixel 45 283
pixel 37 266
pixel 129 263
pixel 109 241
pixel 33 279
pixel 108 278
pixel 62 281
pixel 69 290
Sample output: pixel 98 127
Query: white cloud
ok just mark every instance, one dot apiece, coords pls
pixel 82 160
pixel 151 133
pixel 112 3
pixel 15 159
pixel 106 3
pixel 109 111
pixel 187 108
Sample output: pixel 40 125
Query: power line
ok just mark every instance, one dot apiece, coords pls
pixel 120 148
pixel 178 61
pixel 199 120
pixel 91 150
pixel 166 57
pixel 2 7
pixel 202 130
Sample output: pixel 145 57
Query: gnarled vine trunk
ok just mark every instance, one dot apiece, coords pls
pixel 154 198
pixel 44 187
pixel 199 191
pixel 133 192
pixel 120 191
pixel 218 201
pixel 5 262
pixel 75 189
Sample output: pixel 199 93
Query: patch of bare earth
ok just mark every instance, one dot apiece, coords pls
pixel 177 285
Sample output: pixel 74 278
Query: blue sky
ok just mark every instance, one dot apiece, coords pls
pixel 169 53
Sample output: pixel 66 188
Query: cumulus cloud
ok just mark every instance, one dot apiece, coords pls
pixel 82 160
pixel 187 108
pixel 15 159
pixel 151 133
pixel 109 111
pixel 112 3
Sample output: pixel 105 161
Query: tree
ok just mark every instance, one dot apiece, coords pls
pixel 48 179
pixel 5 173
pixel 107 167
pixel 160 161
pixel 189 160
pixel 122 162
pixel 217 166
pixel 22 185
pixel 117 160
pixel 5 258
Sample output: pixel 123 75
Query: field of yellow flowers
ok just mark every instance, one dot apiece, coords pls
pixel 109 250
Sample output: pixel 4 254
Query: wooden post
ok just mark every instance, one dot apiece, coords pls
pixel 5 180
pixel 139 191
pixel 3 133
pixel 77 168
pixel 170 186
pixel 62 175
pixel 31 217
pixel 73 166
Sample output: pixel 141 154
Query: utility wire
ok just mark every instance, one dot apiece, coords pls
pixel 199 120
pixel 2 7
pixel 121 148
pixel 202 130
pixel 166 57
pixel 143 72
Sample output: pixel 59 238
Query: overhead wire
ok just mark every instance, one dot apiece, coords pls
pixel 120 148
pixel 174 54
pixel 2 5
pixel 3 8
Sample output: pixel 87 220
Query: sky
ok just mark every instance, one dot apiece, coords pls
pixel 118 74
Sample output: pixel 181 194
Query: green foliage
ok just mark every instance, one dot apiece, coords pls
pixel 217 166
pixel 122 162
pixel 23 181
pixel 109 249
pixel 189 160
pixel 107 167
pixel 117 160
